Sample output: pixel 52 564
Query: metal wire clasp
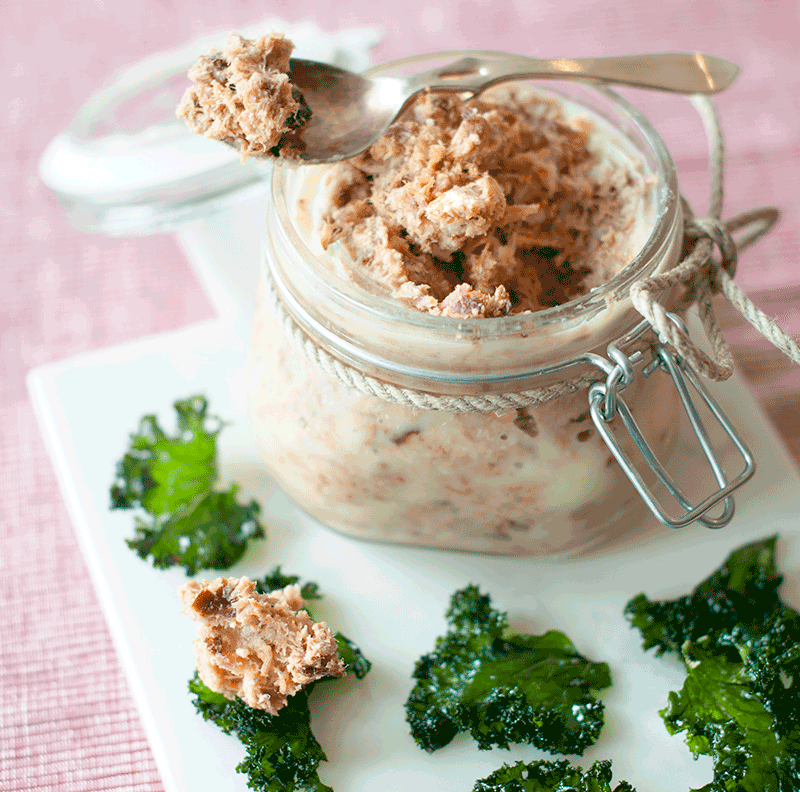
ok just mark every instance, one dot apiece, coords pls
pixel 605 403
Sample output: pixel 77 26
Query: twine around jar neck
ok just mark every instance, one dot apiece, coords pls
pixel 707 268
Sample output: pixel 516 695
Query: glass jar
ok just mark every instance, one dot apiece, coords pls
pixel 532 479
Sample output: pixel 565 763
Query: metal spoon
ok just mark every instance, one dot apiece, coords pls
pixel 351 111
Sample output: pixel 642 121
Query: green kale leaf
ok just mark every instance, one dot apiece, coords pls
pixel 185 520
pixel 281 752
pixel 558 776
pixel 211 532
pixel 740 644
pixel 743 591
pixel 727 715
pixel 351 656
pixel 504 688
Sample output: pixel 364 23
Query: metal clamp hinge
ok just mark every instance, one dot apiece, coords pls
pixel 605 403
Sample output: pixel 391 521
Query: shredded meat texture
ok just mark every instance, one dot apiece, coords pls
pixel 260 647
pixel 479 208
pixel 243 96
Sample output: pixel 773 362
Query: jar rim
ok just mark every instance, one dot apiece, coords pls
pixel 666 212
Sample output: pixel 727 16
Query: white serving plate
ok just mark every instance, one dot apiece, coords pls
pixel 389 600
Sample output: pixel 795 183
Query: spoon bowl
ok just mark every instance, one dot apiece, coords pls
pixel 351 111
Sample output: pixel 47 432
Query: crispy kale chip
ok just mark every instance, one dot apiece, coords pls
pixel 351 656
pixel 558 776
pixel 504 688
pixel 210 532
pixel 184 519
pixel 740 702
pixel 743 591
pixel 281 752
pixel 753 738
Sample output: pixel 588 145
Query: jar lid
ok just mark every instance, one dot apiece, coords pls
pixel 126 165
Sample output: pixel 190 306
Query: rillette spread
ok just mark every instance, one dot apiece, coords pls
pixel 262 648
pixel 484 207
pixel 243 96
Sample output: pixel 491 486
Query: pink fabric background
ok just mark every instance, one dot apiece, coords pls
pixel 66 718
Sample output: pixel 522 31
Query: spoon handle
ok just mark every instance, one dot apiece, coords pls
pixel 680 72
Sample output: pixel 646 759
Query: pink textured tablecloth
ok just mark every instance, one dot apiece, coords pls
pixel 66 719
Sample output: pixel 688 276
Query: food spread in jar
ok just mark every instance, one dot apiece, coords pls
pixel 483 207
pixel 262 648
pixel 243 96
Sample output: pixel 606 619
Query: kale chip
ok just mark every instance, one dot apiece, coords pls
pixel 282 754
pixel 740 644
pixel 184 519
pixel 743 591
pixel 504 688
pixel 727 715
pixel 557 776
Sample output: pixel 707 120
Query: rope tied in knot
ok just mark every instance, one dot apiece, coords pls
pixel 716 231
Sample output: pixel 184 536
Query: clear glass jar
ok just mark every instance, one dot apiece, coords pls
pixel 532 480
